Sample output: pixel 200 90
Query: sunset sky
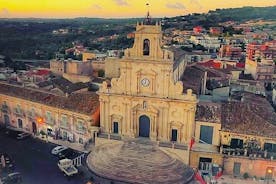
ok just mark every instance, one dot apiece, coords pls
pixel 115 8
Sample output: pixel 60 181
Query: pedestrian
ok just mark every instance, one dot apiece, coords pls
pixel 3 162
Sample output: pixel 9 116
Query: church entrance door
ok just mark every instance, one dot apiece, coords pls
pixel 144 126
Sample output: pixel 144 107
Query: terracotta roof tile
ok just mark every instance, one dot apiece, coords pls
pixel 86 103
pixel 253 115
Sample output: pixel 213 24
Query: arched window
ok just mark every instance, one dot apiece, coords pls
pixel 146 47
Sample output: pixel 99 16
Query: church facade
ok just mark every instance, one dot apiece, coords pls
pixel 145 101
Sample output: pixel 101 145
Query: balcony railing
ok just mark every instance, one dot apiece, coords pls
pixel 50 121
pixel 5 109
pixel 249 153
pixel 32 115
pixel 81 130
pixel 64 125
pixel 19 112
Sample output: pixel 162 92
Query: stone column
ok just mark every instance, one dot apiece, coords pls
pixel 153 132
pixel 193 121
pixel 108 116
pixel 161 124
pixel 186 120
pixel 166 124
pixel 130 118
pixel 190 124
pixel 102 114
pixel 132 124
pixel 109 124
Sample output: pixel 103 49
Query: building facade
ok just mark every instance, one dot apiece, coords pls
pixel 260 60
pixel 39 112
pixel 145 101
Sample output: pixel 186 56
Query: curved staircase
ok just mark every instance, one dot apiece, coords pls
pixel 135 162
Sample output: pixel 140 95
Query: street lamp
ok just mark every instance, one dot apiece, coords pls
pixel 269 172
pixel 39 120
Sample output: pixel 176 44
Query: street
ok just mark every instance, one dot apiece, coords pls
pixel 33 159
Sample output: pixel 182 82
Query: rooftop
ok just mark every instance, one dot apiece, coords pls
pixel 208 112
pixel 85 103
pixel 66 86
pixel 40 72
pixel 253 115
pixel 192 78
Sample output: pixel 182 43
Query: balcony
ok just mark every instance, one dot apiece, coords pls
pixel 50 121
pixel 81 130
pixel 251 153
pixel 64 125
pixel 19 112
pixel 32 115
pixel 5 109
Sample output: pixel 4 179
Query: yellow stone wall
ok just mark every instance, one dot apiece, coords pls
pixel 253 167
pixel 216 131
pixel 86 56
pixel 89 121
pixel 112 68
pixel 77 78
pixel 98 65
pixel 251 67
pixel 217 158
pixel 79 68
pixel 57 67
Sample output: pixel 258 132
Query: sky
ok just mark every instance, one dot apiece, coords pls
pixel 116 8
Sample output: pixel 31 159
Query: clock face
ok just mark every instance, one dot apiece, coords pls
pixel 145 82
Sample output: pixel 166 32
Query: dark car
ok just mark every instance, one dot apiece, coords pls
pixel 13 133
pixel 23 135
pixel 17 134
pixel 68 153
pixel 13 178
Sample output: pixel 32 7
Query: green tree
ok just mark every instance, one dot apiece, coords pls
pixel 101 73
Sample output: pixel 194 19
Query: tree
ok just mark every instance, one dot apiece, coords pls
pixel 15 65
pixel 101 73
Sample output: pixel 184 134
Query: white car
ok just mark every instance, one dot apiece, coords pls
pixel 67 167
pixel 58 149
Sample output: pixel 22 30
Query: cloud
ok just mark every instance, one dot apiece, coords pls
pixel 96 6
pixel 176 5
pixel 4 12
pixel 197 3
pixel 121 2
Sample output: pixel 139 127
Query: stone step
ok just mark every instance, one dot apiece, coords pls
pixel 134 161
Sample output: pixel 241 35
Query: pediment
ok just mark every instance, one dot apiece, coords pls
pixel 143 72
pixel 150 108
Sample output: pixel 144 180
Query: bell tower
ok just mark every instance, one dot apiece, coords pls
pixel 148 41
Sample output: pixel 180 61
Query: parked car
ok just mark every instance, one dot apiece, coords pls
pixel 58 149
pixel 23 135
pixel 13 133
pixel 68 153
pixel 67 167
pixel 12 178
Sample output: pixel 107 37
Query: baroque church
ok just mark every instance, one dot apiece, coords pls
pixel 145 101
